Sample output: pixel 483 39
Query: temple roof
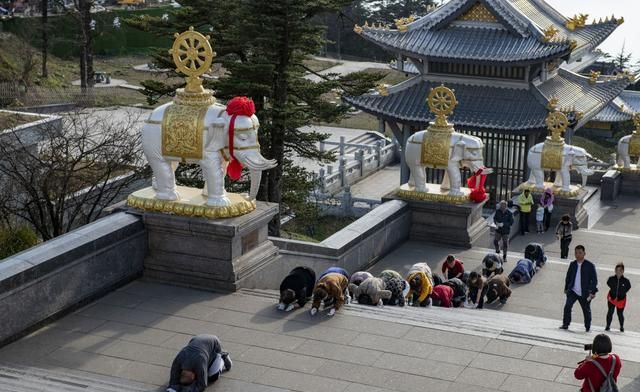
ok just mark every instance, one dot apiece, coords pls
pixel 620 109
pixel 493 107
pixel 503 31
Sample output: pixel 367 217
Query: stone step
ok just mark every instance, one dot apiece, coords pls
pixel 491 323
pixel 17 378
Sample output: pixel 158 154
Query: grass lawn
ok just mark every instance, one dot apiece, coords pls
pixel 12 120
pixel 598 148
pixel 321 229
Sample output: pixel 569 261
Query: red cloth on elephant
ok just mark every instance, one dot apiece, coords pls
pixel 237 106
pixel 476 183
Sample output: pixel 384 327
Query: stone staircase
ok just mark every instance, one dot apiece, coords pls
pixel 16 378
pixel 489 323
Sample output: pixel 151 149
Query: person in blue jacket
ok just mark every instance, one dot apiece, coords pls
pixel 523 271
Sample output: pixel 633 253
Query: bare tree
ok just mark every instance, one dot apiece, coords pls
pixel 44 22
pixel 71 174
pixel 83 15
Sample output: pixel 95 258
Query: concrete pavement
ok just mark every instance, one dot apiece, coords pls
pixel 133 334
pixel 346 67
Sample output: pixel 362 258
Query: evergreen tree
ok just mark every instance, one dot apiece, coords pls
pixel 262 44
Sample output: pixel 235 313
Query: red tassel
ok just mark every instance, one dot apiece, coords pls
pixel 476 183
pixel 237 106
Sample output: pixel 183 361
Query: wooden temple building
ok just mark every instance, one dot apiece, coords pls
pixel 509 62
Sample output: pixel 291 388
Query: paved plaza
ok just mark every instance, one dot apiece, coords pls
pixel 127 340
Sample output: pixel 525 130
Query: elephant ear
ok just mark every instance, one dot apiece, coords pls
pixel 458 151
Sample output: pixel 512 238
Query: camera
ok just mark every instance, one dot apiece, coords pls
pixel 588 347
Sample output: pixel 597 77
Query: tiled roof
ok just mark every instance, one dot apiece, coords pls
pixel 621 108
pixel 468 43
pixel 575 91
pixel 516 35
pixel 479 106
pixel 492 107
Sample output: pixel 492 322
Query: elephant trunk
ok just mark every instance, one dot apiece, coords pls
pixel 253 160
pixel 256 176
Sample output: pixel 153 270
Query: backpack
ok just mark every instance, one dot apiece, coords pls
pixel 609 384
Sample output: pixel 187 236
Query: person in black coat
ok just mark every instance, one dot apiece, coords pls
pixel 617 297
pixel 198 364
pixel 296 287
pixel 503 219
pixel 580 284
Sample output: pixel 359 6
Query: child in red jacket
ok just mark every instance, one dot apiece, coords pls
pixel 589 372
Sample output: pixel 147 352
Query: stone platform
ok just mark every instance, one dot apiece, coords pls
pixel 458 223
pixel 210 254
pixel 630 182
pixel 132 335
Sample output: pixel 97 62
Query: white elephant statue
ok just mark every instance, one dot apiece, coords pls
pixel 625 151
pixel 215 155
pixel 464 151
pixel 573 158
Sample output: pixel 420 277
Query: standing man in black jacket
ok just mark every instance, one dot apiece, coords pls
pixel 580 284
pixel 503 218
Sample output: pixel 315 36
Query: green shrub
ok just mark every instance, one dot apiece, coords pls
pixel 16 240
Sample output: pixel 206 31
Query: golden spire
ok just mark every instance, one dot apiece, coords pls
pixel 442 101
pixel 593 77
pixel 193 55
pixel 550 33
pixel 553 103
pixel 557 123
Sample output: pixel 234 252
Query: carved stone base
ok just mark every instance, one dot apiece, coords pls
pixel 433 193
pixel 632 169
pixel 192 203
pixel 563 204
pixel 209 254
pixel 458 224
pixel 574 190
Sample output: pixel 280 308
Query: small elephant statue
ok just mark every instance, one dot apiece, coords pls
pixel 573 158
pixel 465 151
pixel 220 151
pixel 626 152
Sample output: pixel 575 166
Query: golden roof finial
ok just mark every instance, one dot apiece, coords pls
pixel 621 20
pixel 557 122
pixel 442 101
pixel 192 53
pixel 593 77
pixel 382 89
pixel 357 29
pixel 553 103
pixel 550 33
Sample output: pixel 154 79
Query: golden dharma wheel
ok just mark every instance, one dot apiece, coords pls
pixel 557 122
pixel 442 100
pixel 192 53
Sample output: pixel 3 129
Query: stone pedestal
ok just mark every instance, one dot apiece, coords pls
pixel 572 205
pixel 459 225
pixel 630 182
pixel 209 254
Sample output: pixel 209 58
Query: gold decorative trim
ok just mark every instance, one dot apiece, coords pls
pixel 254 147
pixel 634 169
pixel 550 33
pixel 478 13
pixel 593 77
pixel 153 122
pixel 408 192
pixel 401 23
pixel 557 191
pixel 192 204
pixel 357 29
pixel 577 21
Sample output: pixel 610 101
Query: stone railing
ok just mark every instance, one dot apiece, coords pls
pixel 367 159
pixel 59 275
pixel 356 247
pixel 344 204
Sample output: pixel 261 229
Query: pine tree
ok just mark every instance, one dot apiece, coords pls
pixel 262 44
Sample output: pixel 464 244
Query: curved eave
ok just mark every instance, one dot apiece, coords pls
pixel 562 50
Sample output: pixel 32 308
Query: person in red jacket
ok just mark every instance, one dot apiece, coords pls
pixel 442 295
pixel 589 372
pixel 452 268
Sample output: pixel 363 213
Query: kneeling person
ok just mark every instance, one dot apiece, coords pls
pixel 498 289
pixel 332 289
pixel 370 292
pixel 199 363
pixel 421 285
pixel 442 295
pixel 297 287
pixel 523 271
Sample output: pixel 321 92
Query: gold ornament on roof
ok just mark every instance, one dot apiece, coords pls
pixel 478 13
pixel 553 103
pixel 557 123
pixel 550 33
pixel 193 55
pixel 593 77
pixel 401 23
pixel 442 101
pixel 573 44
pixel 382 89
pixel 621 20
pixel 357 29
pixel 576 21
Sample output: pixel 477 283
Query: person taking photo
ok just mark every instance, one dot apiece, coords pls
pixel 600 367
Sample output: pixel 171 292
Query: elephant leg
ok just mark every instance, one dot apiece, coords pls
pixel 164 181
pixel 559 181
pixel 446 183
pixel 455 180
pixel 213 171
pixel 532 177
pixel 412 180
pixel 566 180
pixel 420 178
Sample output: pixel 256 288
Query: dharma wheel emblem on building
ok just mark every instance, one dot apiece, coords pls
pixel 192 53
pixel 442 101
